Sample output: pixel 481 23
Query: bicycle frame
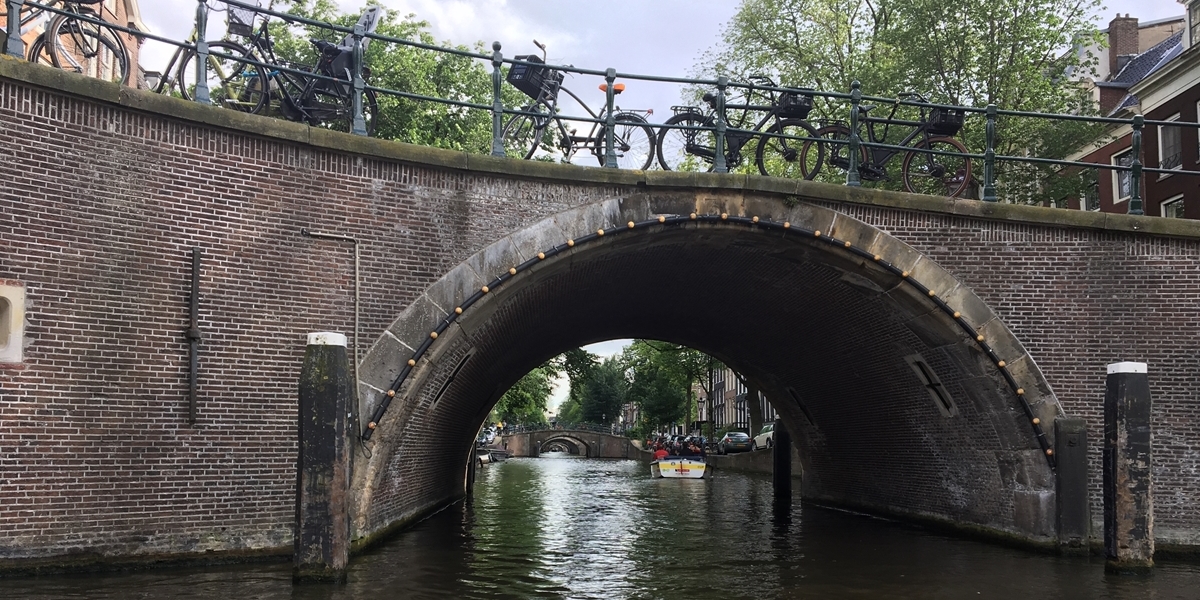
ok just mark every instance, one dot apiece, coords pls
pixel 879 157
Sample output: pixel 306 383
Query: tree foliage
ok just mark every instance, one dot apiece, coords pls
pixel 604 393
pixel 1016 54
pixel 406 69
pixel 525 401
pixel 661 379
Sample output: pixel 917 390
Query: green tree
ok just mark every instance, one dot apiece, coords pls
pixel 604 393
pixel 525 401
pixel 1013 53
pixel 660 399
pixel 683 367
pixel 406 69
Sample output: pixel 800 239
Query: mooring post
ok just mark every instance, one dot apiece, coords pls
pixel 1128 498
pixel 322 538
pixel 471 461
pixel 781 467
pixel 1071 484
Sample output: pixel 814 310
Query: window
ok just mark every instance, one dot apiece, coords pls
pixel 1170 150
pixel 1122 180
pixel 937 391
pixel 1173 207
pixel 1194 23
pixel 12 321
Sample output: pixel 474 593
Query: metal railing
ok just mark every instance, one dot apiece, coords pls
pixel 721 128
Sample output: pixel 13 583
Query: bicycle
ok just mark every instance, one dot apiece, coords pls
pixel 691 144
pixel 327 100
pixel 71 43
pixel 527 132
pixel 230 83
pixel 922 172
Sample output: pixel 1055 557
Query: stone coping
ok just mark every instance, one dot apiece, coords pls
pixel 18 70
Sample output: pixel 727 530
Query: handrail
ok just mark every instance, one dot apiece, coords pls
pixel 720 126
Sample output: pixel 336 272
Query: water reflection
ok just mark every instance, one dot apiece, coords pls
pixel 566 527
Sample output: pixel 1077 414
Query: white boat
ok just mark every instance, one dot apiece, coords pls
pixel 678 467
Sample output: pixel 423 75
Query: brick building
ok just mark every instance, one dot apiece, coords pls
pixel 1162 83
pixel 125 13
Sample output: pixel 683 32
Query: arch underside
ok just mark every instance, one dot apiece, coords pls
pixel 572 444
pixel 830 337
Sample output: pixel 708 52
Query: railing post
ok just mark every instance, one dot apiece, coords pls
pixel 200 94
pixel 610 120
pixel 14 45
pixel 989 157
pixel 359 127
pixel 852 177
pixel 497 105
pixel 719 164
pixel 1135 168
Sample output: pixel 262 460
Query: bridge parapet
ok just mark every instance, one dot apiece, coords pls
pixel 588 443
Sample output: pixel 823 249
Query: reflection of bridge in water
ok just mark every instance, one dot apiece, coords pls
pixel 589 444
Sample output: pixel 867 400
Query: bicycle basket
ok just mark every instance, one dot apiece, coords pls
pixel 794 105
pixel 531 79
pixel 240 21
pixel 946 121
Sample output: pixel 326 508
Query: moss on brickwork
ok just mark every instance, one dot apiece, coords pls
pixel 19 70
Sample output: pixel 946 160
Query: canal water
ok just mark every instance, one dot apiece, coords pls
pixel 566 527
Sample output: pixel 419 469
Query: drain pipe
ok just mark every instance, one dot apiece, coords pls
pixel 345 238
pixel 193 337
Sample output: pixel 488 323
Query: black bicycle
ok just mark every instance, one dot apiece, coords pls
pixel 937 164
pixel 525 134
pixel 326 101
pixel 688 142
pixel 70 43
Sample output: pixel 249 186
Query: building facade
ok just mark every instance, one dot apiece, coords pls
pixel 1162 83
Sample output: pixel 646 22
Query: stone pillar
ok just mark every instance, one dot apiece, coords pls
pixel 781 467
pixel 322 538
pixel 1128 498
pixel 1071 484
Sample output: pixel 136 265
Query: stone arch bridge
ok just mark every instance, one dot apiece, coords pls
pixel 919 349
pixel 581 442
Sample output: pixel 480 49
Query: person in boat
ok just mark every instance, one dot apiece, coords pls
pixel 696 450
pixel 660 452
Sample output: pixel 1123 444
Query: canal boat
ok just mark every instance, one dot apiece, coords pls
pixel 678 467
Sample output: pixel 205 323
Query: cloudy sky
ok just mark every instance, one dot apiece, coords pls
pixel 659 37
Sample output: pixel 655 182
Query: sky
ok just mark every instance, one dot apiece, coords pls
pixel 656 37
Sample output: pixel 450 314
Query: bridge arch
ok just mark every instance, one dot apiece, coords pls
pixel 575 444
pixel 904 392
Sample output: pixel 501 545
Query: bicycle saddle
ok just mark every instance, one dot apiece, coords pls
pixel 865 108
pixel 617 87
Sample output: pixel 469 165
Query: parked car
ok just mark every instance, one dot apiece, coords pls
pixel 765 438
pixel 734 441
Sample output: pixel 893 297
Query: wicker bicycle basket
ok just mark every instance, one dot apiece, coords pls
pixel 240 20
pixel 946 121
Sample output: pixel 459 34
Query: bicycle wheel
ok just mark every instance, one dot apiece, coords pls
pixel 343 119
pixel 687 149
pixel 834 146
pixel 39 53
pixel 779 156
pixel 937 174
pixel 87 48
pixel 633 142
pixel 523 133
pixel 232 81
